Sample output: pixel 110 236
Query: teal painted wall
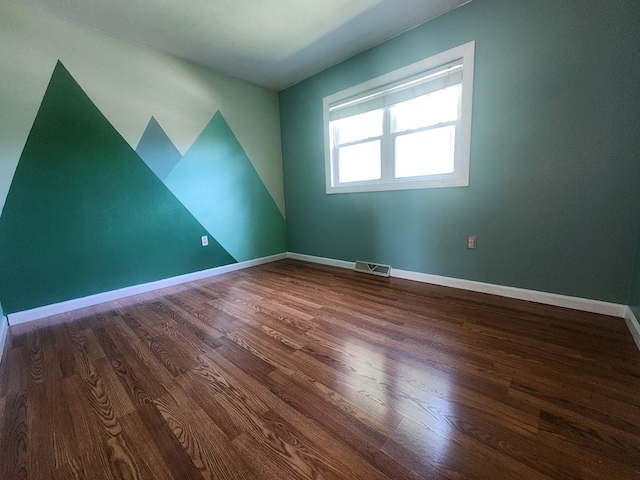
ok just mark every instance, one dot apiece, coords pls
pixel 217 183
pixel 85 215
pixel 157 150
pixel 554 154
pixel 109 154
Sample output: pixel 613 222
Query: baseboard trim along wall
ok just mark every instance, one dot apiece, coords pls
pixel 557 300
pixel 62 307
pixel 576 303
pixel 4 329
pixel 634 326
pixel 583 304
pixel 322 260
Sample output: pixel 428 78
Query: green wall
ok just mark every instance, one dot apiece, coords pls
pixel 110 153
pixel 208 179
pixel 554 159
pixel 554 154
pixel 84 213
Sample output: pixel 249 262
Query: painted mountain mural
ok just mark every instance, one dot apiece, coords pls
pixel 157 150
pixel 219 185
pixel 85 215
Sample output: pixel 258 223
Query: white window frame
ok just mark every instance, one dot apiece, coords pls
pixel 460 175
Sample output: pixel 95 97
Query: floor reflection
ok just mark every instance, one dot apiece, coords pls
pixel 397 394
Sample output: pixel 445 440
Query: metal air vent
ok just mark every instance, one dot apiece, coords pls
pixel 373 268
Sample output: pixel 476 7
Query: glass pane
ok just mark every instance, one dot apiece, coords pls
pixel 359 162
pixel 358 127
pixel 437 107
pixel 425 153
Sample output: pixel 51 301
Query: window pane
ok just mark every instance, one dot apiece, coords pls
pixel 358 127
pixel 437 107
pixel 425 153
pixel 359 162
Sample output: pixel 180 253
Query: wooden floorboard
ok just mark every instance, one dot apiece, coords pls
pixel 292 370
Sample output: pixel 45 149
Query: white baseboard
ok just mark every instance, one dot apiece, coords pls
pixel 322 260
pixel 634 326
pixel 577 303
pixel 62 307
pixel 4 329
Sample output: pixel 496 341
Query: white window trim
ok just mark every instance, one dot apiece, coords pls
pixel 460 177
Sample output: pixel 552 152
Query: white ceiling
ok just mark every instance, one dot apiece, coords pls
pixel 272 43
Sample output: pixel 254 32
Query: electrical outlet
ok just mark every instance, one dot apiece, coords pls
pixel 472 242
pixel 205 240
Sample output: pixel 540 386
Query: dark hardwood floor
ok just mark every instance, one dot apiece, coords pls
pixel 294 370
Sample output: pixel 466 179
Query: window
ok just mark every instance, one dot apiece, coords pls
pixel 410 128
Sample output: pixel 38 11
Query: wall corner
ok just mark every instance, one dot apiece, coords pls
pixel 634 325
pixel 4 330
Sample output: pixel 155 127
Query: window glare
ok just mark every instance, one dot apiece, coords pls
pixel 358 127
pixel 437 107
pixel 428 152
pixel 359 162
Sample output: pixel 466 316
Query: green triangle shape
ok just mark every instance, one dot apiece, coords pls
pixel 219 185
pixel 157 150
pixel 85 215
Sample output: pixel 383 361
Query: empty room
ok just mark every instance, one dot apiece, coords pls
pixel 341 240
